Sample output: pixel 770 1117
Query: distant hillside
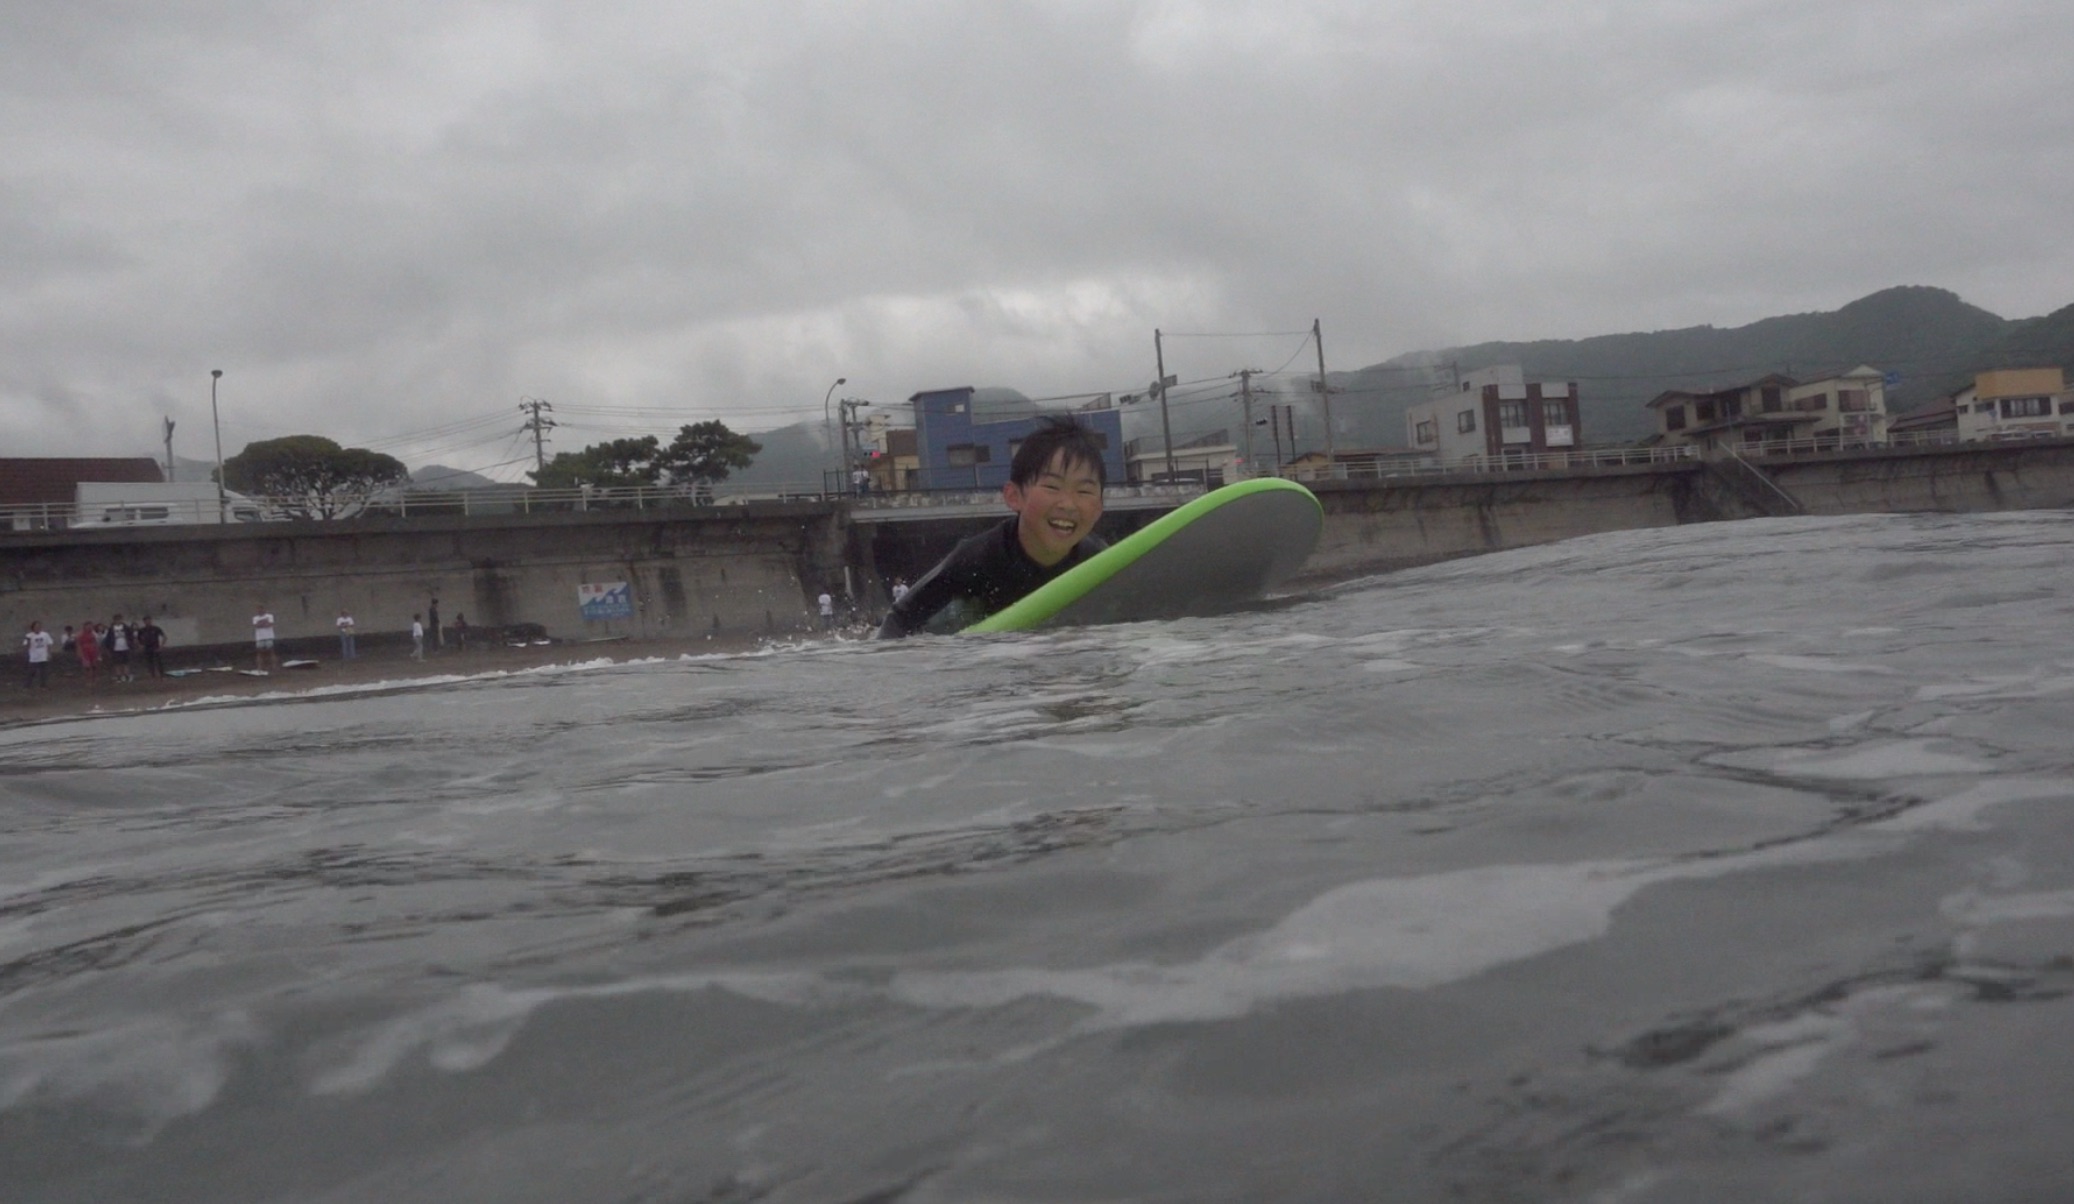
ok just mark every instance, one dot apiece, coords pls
pixel 797 455
pixel 1933 340
pixel 2046 342
pixel 792 455
pixel 439 476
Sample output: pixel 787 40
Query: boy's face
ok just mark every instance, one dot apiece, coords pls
pixel 1058 509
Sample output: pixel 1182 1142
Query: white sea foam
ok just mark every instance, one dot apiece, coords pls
pixel 1792 1050
pixel 1974 907
pixel 1962 811
pixel 391 685
pixel 151 1071
pixel 1815 664
pixel 1872 762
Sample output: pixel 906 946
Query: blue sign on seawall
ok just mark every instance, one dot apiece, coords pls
pixel 605 600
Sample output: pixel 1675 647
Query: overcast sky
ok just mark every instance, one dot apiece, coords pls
pixel 391 221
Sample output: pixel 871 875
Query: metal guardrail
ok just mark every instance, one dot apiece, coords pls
pixel 519 499
pixel 931 499
pixel 1772 448
pixel 1603 457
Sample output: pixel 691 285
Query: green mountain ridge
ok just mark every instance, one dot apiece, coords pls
pixel 1929 337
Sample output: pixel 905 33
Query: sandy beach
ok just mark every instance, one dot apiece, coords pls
pixel 69 694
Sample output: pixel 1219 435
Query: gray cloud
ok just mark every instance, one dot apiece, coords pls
pixel 384 217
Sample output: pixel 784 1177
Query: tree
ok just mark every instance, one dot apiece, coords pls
pixel 309 476
pixel 705 452
pixel 622 462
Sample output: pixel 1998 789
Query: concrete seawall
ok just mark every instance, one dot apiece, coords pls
pixel 737 570
pixel 731 570
pixel 1376 526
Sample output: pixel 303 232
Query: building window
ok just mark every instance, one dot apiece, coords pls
pixel 1424 432
pixel 965 455
pixel 1703 411
pixel 1732 407
pixel 1674 418
pixel 2025 407
pixel 1512 413
pixel 1812 403
pixel 1465 422
pixel 1854 401
pixel 1555 412
pixel 1774 399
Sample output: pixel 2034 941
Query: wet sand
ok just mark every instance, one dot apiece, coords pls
pixel 69 693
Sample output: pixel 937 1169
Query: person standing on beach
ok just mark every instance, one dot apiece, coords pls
pixel 37 643
pixel 263 640
pixel 346 651
pixel 827 605
pixel 88 646
pixel 417 638
pixel 150 638
pixel 432 622
pixel 119 650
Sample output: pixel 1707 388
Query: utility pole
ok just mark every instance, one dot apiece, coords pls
pixel 1274 423
pixel 1246 376
pixel 848 408
pixel 169 449
pixel 539 424
pixel 1166 429
pixel 216 421
pixel 1324 396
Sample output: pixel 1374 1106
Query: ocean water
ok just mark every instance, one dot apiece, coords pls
pixel 1729 862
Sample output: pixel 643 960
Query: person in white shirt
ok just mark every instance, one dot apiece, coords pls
pixel 417 637
pixel 827 604
pixel 119 650
pixel 263 640
pixel 38 643
pixel 345 635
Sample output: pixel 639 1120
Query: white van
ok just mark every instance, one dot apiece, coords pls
pixel 169 504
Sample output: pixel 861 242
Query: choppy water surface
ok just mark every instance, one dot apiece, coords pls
pixel 1730 862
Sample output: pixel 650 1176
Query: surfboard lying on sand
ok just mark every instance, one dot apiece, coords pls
pixel 1228 547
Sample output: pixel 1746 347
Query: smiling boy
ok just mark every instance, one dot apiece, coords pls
pixel 1055 488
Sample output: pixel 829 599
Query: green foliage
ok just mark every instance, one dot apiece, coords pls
pixel 705 452
pixel 309 476
pixel 701 453
pixel 618 464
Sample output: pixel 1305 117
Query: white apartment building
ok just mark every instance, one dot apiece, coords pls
pixel 1495 415
pixel 2015 403
pixel 1845 410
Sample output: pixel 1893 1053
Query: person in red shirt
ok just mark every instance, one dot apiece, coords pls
pixel 88 646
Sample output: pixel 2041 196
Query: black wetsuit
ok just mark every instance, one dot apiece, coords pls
pixel 989 572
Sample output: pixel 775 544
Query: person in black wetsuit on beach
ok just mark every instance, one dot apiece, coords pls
pixel 1055 488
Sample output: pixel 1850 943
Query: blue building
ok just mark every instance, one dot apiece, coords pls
pixel 966 447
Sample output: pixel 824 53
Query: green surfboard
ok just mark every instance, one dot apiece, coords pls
pixel 1221 550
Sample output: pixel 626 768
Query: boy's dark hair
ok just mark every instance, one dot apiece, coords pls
pixel 1057 433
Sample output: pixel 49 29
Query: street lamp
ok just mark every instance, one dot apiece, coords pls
pixel 216 374
pixel 828 425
